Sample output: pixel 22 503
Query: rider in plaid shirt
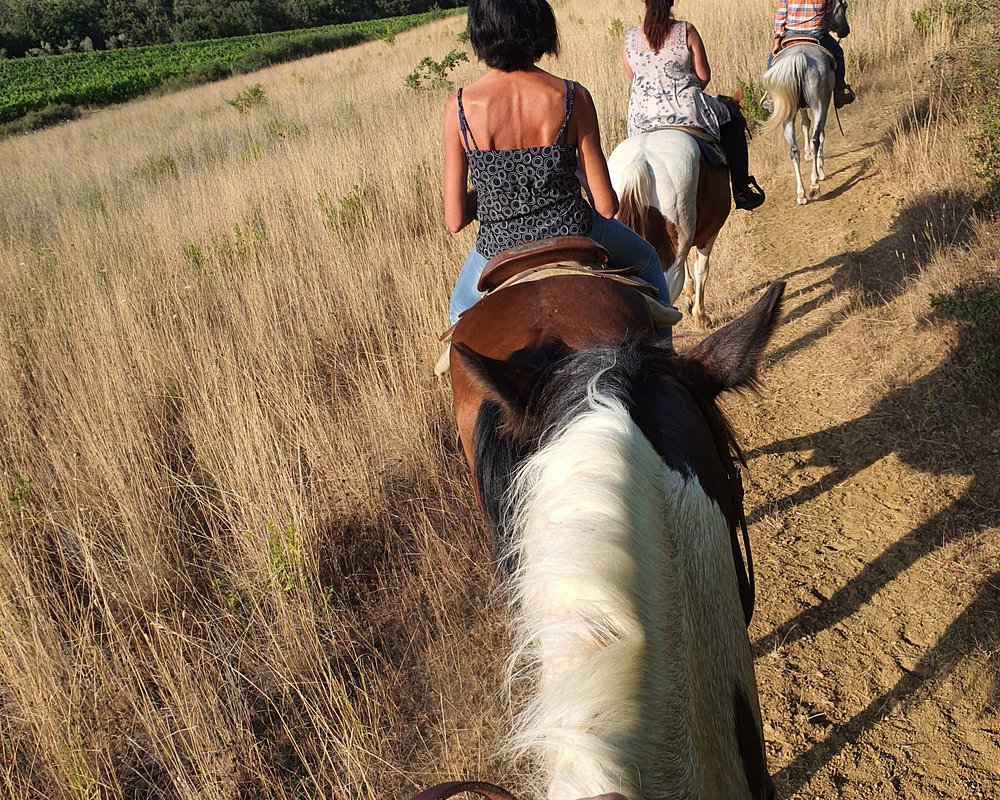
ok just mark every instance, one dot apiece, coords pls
pixel 812 18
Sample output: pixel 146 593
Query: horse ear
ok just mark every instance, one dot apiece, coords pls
pixel 503 382
pixel 730 355
pixel 738 95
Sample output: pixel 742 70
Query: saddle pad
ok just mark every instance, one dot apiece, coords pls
pixel 713 153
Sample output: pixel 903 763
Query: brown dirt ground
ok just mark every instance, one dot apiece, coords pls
pixel 872 497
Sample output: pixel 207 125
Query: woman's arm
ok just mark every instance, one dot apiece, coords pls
pixel 593 165
pixel 459 200
pixel 699 59
pixel 780 18
pixel 628 67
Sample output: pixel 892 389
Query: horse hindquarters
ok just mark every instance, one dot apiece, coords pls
pixel 656 178
pixel 800 76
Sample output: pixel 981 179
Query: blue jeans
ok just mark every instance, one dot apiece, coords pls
pixel 827 41
pixel 627 249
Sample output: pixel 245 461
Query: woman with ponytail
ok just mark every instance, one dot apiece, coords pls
pixel 665 60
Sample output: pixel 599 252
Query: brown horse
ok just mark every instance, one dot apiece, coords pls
pixel 605 471
pixel 673 198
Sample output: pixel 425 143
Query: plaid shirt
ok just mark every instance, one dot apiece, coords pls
pixel 802 16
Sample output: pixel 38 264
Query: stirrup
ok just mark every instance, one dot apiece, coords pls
pixel 751 197
pixel 843 96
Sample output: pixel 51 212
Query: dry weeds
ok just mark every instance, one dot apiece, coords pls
pixel 240 555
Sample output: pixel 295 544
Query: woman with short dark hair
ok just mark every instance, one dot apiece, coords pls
pixel 529 139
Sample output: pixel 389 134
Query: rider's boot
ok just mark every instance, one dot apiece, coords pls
pixel 843 94
pixel 747 195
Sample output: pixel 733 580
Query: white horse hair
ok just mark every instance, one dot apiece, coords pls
pixel 628 611
pixel 661 169
pixel 801 74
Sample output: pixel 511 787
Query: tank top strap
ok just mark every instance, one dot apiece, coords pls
pixel 464 125
pixel 570 95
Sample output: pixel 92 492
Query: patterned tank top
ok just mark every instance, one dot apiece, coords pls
pixel 527 193
pixel 665 89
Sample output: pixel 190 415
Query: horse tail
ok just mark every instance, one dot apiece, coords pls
pixel 636 194
pixel 588 513
pixel 783 83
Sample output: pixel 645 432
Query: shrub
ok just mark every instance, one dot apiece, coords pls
pixel 52 114
pixel 434 74
pixel 196 76
pixel 251 97
pixel 753 99
pixel 157 168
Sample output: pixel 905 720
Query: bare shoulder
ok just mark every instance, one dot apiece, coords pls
pixel 583 95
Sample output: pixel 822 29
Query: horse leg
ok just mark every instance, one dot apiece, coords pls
pixel 819 155
pixel 793 147
pixel 816 143
pixel 701 266
pixel 679 274
pixel 805 133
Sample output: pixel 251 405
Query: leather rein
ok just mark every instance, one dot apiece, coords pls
pixel 442 791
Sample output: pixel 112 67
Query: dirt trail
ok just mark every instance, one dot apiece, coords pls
pixel 875 630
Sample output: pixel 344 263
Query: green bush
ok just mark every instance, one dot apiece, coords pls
pixel 434 74
pixel 208 72
pixel 251 97
pixel 978 305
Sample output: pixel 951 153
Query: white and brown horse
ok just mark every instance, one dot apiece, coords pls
pixel 672 197
pixel 605 471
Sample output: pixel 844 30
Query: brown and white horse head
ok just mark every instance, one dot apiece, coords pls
pixel 604 472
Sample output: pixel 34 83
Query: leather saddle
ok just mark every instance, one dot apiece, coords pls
pixel 523 258
pixel 566 255
pixel 560 255
pixel 794 41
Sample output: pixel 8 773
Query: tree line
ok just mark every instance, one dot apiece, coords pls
pixel 42 27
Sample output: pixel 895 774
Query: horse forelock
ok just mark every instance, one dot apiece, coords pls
pixel 566 387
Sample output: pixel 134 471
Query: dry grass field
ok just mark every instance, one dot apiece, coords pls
pixel 239 554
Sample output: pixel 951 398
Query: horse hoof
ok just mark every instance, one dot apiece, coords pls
pixel 702 321
pixel 813 192
pixel 801 201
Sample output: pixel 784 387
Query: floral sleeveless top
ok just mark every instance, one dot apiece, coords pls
pixel 665 89
pixel 528 193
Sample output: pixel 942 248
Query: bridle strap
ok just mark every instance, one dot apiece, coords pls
pixel 747 597
pixel 441 791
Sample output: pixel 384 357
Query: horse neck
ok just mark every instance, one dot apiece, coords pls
pixel 621 565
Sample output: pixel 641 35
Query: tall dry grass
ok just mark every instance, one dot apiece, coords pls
pixel 239 554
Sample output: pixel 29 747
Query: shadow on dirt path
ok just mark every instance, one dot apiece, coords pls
pixel 863 502
pixel 918 425
pixel 976 627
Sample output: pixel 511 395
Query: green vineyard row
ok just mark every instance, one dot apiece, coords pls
pixel 114 76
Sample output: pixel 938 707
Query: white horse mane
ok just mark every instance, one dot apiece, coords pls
pixel 627 613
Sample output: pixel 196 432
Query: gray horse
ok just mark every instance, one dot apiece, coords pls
pixel 801 76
